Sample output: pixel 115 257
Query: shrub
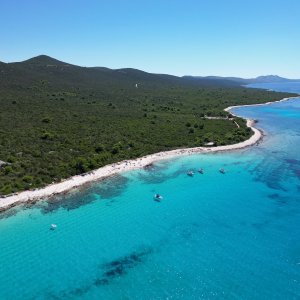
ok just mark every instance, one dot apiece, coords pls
pixel 81 165
pixel 116 148
pixel 7 170
pixel 11 159
pixel 46 120
pixel 47 136
pixel 27 178
pixel 99 148
pixel 7 189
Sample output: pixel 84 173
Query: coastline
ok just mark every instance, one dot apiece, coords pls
pixel 124 166
pixel 260 104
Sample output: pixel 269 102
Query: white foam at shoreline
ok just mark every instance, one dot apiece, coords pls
pixel 126 165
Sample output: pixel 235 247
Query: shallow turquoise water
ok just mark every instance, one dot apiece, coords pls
pixel 214 236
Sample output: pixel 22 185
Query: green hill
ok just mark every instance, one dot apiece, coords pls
pixel 58 119
pixel 58 73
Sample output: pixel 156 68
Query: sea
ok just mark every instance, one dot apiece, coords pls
pixel 213 236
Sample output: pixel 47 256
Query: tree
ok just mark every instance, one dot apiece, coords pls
pixel 81 165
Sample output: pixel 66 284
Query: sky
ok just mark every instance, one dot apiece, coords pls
pixel 188 37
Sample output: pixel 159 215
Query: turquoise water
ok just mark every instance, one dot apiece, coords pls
pixel 214 236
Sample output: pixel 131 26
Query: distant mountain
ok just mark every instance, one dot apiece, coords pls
pixel 272 79
pixel 44 60
pixel 58 73
pixel 243 81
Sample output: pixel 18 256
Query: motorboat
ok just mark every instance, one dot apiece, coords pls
pixel 222 171
pixel 201 171
pixel 53 226
pixel 190 173
pixel 158 197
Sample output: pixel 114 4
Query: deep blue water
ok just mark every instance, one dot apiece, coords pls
pixel 290 87
pixel 214 236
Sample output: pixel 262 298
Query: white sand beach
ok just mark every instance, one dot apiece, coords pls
pixel 260 104
pixel 123 166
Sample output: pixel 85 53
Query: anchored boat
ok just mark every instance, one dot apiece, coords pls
pixel 158 197
pixel 201 171
pixel 222 171
pixel 53 226
pixel 190 173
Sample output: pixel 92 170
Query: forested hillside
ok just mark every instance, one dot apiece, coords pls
pixel 58 120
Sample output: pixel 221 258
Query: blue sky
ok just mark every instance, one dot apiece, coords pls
pixel 213 37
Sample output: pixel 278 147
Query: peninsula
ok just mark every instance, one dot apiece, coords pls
pixel 59 120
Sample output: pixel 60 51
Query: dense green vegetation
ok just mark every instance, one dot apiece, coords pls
pixel 58 120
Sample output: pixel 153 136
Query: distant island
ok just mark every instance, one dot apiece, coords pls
pixel 59 120
pixel 244 81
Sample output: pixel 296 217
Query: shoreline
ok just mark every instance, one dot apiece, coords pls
pixel 260 104
pixel 125 166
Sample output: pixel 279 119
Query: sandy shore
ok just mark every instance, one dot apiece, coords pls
pixel 123 166
pixel 260 104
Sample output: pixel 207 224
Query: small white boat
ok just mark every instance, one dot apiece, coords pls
pixel 190 173
pixel 53 226
pixel 158 197
pixel 201 171
pixel 222 171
